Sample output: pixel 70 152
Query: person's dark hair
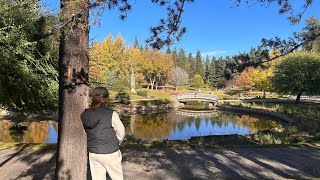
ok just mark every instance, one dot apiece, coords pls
pixel 100 96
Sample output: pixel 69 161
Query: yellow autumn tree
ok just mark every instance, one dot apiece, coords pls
pixel 135 60
pixel 261 80
pixel 119 56
pixel 107 61
pixel 163 65
pixel 95 69
pixel 113 64
pixel 101 60
pixel 155 66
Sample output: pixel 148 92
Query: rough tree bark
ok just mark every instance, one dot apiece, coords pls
pixel 73 91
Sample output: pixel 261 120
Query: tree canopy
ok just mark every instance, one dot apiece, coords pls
pixel 178 76
pixel 261 80
pixel 297 73
pixel 198 81
pixel 29 64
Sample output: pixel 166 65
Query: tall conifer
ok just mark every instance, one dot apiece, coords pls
pixel 212 71
pixel 199 65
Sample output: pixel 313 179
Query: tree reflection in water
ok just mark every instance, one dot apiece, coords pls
pixel 173 125
pixel 37 132
pixel 4 131
pixel 17 132
pixel 28 132
pixel 152 126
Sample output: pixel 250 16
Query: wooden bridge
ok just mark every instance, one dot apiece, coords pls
pixel 184 97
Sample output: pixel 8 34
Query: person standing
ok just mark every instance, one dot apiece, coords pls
pixel 105 132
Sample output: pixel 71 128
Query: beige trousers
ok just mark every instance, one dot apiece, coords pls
pixel 102 163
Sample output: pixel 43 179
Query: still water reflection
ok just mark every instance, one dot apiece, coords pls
pixel 173 125
pixel 34 132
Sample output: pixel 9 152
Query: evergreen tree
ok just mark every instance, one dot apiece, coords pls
pixel 206 67
pixel 168 51
pixel 136 43
pixel 141 48
pixel 232 67
pixel 191 65
pixel 212 71
pixel 146 47
pixel 220 68
pixel 174 56
pixel 182 59
pixel 199 65
pixel 228 69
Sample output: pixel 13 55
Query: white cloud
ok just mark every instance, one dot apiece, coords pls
pixel 214 53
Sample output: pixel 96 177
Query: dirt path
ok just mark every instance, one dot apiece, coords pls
pixel 170 163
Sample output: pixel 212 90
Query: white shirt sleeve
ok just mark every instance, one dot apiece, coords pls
pixel 118 126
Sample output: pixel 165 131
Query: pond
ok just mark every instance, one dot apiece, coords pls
pixel 174 125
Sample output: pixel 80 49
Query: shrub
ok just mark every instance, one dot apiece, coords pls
pixel 308 126
pixel 155 102
pixel 198 81
pixel 213 88
pixel 290 130
pixel 121 85
pixel 161 101
pixel 317 136
pixel 123 97
pixel 142 93
pixel 268 139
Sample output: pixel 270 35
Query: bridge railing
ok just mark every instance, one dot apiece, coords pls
pixel 195 114
pixel 197 96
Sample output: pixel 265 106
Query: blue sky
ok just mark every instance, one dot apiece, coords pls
pixel 213 26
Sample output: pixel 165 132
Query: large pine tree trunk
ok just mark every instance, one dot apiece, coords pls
pixel 73 92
